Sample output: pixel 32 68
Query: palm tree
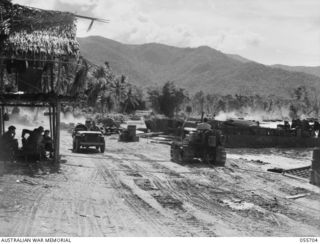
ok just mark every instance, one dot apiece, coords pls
pixel 99 73
pixel 107 101
pixel 118 88
pixel 131 101
pixel 99 87
pixel 94 93
pixel 73 77
pixel 199 100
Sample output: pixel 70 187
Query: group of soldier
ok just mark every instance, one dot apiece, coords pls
pixel 37 141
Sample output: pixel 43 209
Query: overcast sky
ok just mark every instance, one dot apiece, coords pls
pixel 266 31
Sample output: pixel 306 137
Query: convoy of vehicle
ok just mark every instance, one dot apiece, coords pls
pixel 208 146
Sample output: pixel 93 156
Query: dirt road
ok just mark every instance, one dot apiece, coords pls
pixel 134 190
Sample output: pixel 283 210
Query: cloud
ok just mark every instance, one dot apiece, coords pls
pixel 252 28
pixel 228 41
pixel 48 4
pixel 130 23
pixel 80 7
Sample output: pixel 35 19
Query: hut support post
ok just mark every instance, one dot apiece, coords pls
pixel 52 78
pixel 1 121
pixel 1 91
pixel 53 118
pixel 1 76
pixel 54 122
pixel 50 120
pixel 58 78
pixel 57 137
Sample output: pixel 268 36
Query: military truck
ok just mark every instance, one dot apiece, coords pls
pixel 207 146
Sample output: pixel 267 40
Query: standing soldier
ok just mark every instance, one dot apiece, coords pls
pixel 48 143
pixel 9 145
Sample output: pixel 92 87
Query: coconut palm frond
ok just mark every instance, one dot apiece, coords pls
pixel 123 79
pixel 80 79
pixel 91 24
pixel 99 72
pixel 93 95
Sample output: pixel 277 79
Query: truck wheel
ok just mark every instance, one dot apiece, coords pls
pixel 187 154
pixel 77 144
pixel 221 156
pixel 174 152
pixel 186 157
pixel 73 147
pixel 102 148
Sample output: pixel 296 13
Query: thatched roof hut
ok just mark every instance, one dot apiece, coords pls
pixel 39 61
pixel 37 34
pixel 39 52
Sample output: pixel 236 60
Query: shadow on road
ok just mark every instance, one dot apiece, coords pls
pixel 87 151
pixel 196 163
pixel 31 168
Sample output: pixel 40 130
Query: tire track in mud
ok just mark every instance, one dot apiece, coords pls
pixel 258 221
pixel 97 219
pixel 271 209
pixel 141 209
pixel 82 207
pixel 200 199
pixel 80 213
pixel 118 220
pixel 178 185
pixel 255 221
pixel 294 213
pixel 23 224
pixel 170 202
pixel 63 202
pixel 61 210
pixel 101 220
pixel 49 215
pixel 194 198
pixel 110 180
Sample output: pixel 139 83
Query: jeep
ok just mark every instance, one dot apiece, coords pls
pixel 82 137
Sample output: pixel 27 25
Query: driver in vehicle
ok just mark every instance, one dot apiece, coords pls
pixel 204 125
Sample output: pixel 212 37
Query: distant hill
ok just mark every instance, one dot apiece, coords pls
pixel 309 70
pixel 239 58
pixel 195 69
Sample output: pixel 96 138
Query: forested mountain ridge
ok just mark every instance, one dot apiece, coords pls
pixel 194 69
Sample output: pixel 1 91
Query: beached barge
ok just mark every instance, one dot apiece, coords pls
pixel 243 134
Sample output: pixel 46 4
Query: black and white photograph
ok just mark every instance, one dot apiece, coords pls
pixel 159 118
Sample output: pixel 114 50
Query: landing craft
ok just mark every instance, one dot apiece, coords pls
pixel 240 133
pixel 249 134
